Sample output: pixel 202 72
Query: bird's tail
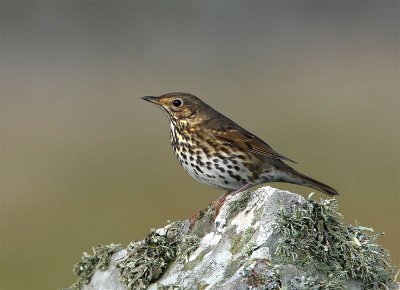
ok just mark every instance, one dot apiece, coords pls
pixel 301 179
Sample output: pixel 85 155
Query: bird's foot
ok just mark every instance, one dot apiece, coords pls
pixel 217 204
pixel 195 217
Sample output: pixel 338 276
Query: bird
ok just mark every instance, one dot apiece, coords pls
pixel 216 151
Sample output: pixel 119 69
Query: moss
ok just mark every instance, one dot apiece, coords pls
pixel 100 260
pixel 315 237
pixel 146 260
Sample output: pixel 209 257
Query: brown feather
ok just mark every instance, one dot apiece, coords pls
pixel 225 129
pixel 311 182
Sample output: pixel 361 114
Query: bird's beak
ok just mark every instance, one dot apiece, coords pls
pixel 151 99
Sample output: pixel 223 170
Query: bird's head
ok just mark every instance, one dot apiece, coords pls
pixel 179 106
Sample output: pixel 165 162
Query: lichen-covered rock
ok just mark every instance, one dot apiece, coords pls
pixel 103 259
pixel 263 239
pixel 240 234
pixel 108 279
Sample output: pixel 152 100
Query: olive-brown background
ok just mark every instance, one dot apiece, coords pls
pixel 84 161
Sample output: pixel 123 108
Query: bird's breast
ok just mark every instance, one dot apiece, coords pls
pixel 208 161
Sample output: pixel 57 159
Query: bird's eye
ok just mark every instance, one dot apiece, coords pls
pixel 177 102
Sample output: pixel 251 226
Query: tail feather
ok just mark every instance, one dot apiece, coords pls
pixel 302 179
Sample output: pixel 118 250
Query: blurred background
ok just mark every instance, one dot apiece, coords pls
pixel 84 161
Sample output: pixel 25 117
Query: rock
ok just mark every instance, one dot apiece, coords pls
pixel 239 234
pixel 262 239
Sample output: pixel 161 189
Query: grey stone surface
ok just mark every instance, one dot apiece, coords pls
pixel 231 241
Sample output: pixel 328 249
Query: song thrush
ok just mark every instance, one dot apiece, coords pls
pixel 218 152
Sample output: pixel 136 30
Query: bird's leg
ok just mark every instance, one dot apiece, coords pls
pixel 244 187
pixel 195 217
pixel 217 204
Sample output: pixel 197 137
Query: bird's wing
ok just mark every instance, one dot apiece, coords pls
pixel 225 129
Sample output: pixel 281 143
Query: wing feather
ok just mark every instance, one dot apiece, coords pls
pixel 225 129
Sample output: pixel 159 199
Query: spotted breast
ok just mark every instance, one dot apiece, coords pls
pixel 217 165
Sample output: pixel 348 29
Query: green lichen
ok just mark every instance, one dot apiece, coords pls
pixel 231 268
pixel 257 216
pixel 100 260
pixel 239 204
pixel 261 275
pixel 169 287
pixel 146 260
pixel 304 281
pixel 242 241
pixel 202 285
pixel 187 266
pixel 315 237
pixel 236 244
pixel 248 246
pixel 208 214
pixel 313 283
pixel 187 245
